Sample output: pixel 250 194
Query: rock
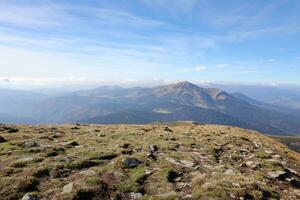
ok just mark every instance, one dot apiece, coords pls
pixel 292 171
pixel 251 164
pixel 185 163
pixel 30 144
pixel 88 173
pixel 68 188
pixel 135 195
pixel 276 156
pixel 71 144
pixel 229 172
pixel 167 129
pixel 151 156
pixel 188 196
pixel 153 148
pixel 149 171
pixel 2 139
pixel 28 196
pixel 26 159
pixel 131 162
pixel 269 151
pixel 277 174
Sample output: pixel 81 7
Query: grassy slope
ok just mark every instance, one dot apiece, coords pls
pixel 192 162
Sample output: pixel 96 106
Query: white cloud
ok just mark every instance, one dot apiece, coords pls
pixel 46 15
pixel 245 72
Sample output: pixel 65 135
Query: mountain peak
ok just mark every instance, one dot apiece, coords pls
pixel 185 84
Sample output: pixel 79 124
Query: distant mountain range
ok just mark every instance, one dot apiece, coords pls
pixel 183 101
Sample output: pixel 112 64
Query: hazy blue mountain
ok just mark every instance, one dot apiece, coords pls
pixel 174 102
pixel 12 101
pixel 276 95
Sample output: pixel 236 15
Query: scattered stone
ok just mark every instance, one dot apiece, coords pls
pixel 71 144
pixel 68 188
pixel 251 164
pixel 167 129
pixel 2 140
pixel 30 144
pixel 277 174
pixel 135 195
pixel 152 151
pixel 149 171
pixel 187 163
pixel 153 148
pixel 229 172
pixel 87 173
pixel 292 171
pixel 28 196
pixel 276 156
pixel 131 162
pixel 184 163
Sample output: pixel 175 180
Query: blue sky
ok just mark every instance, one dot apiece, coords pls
pixel 46 42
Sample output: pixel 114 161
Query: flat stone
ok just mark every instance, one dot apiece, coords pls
pixel 68 188
pixel 269 151
pixel 26 159
pixel 28 196
pixel 249 163
pixel 135 195
pixel 185 163
pixel 131 162
pixel 276 174
pixel 30 144
pixel 71 144
pixel 276 156
pixel 292 171
pixel 153 148
pixel 87 173
pixel 229 172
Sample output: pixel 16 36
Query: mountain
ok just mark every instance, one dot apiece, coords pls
pixel 154 161
pixel 186 101
pixel 285 96
pixel 174 102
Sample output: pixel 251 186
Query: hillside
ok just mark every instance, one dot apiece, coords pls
pixel 157 161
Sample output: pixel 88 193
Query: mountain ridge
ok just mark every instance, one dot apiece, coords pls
pixel 182 101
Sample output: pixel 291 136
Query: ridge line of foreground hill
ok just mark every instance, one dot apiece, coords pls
pixel 185 161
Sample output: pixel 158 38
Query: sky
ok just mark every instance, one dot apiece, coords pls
pixel 46 43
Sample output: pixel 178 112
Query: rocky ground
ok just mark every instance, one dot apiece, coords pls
pixel 144 162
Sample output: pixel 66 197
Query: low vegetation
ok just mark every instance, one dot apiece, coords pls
pixel 157 161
